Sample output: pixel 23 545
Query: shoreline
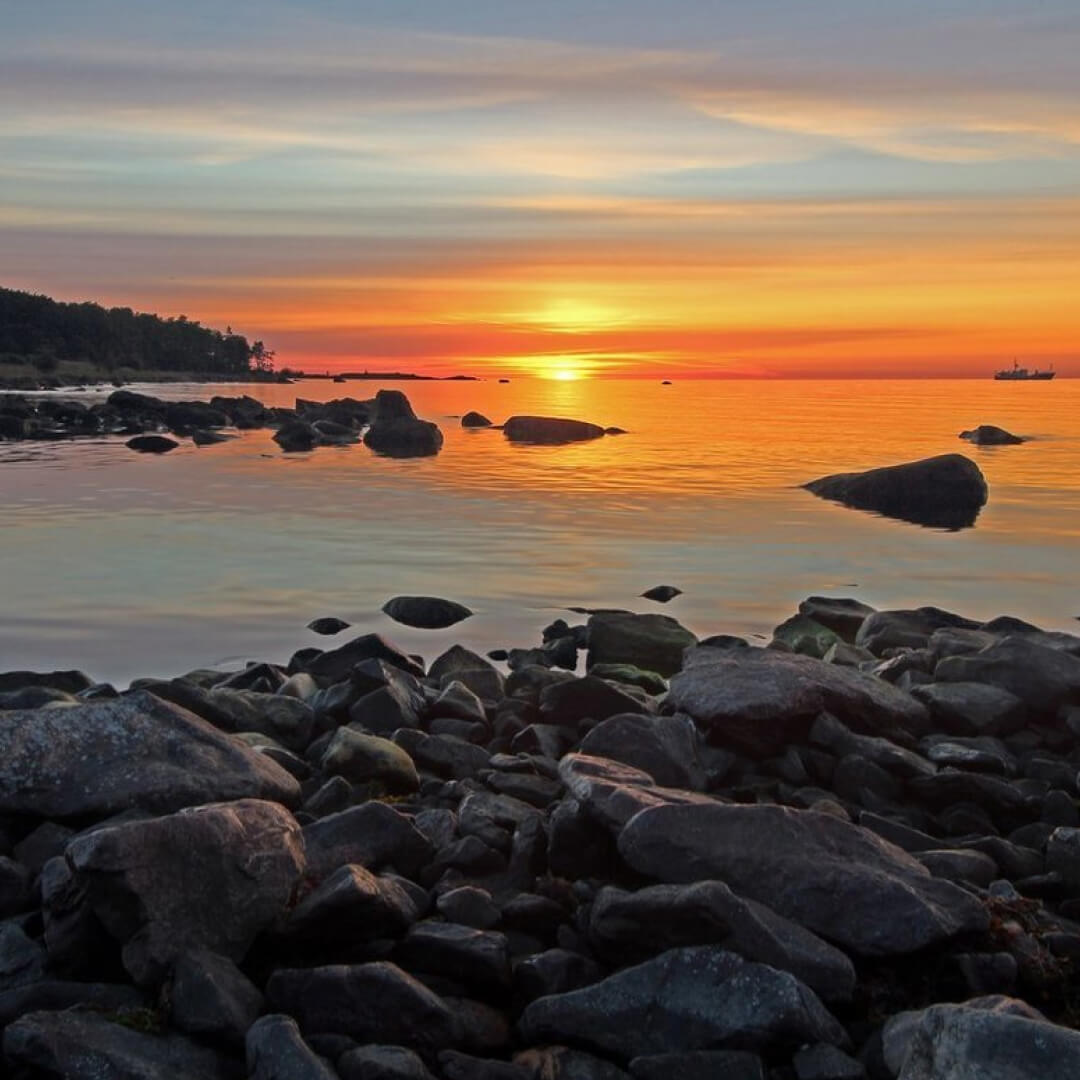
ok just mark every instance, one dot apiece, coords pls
pixel 484 866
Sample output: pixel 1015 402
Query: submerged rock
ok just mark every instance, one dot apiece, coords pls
pixel 662 593
pixel 989 435
pixel 395 430
pixel 475 420
pixel 296 437
pixel 947 491
pixel 152 444
pixel 425 612
pixel 549 430
pixel 328 625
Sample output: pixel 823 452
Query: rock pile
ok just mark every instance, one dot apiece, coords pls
pixel 854 853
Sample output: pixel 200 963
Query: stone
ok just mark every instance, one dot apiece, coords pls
pixel 563 1063
pixel 336 665
pixel 352 905
pixel 824 1062
pixel 989 435
pixel 840 614
pixel 474 957
pixel 469 906
pixel 947 491
pixel 22 960
pixel 905 629
pixel 685 999
pixel 662 594
pixel 554 971
pixel 402 436
pixel 328 625
pixel 648 681
pixel 699 1065
pixel 651 642
pixel 475 420
pixel 277 1051
pixel 360 758
pixel 376 1002
pixel 80 1044
pixel 458 1066
pixel 133 751
pixel 570 701
pixel 804 635
pixel 425 612
pixel 1063 856
pixel 211 877
pixel 799 862
pixel 549 430
pixel 296 436
pixel 152 444
pixel 210 996
pixel 972 708
pixel 372 835
pixel 286 719
pixel 761 700
pixel 666 747
pixel 375 1062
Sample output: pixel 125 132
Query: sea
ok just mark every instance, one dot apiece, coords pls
pixel 123 564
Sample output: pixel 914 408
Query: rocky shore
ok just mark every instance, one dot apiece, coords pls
pixel 854 853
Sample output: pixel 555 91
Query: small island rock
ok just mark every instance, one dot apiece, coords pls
pixel 425 612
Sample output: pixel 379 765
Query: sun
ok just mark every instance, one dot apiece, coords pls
pixel 566 373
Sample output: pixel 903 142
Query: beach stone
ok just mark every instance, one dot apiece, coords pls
pixel 989 1038
pixel 376 1002
pixel 989 435
pixel 648 681
pixel 210 877
pixel 443 755
pixel 700 1065
pixel 328 625
pixel 210 996
pixel 70 682
pixel 403 437
pixel 351 905
pixel 840 614
pixel 425 612
pixel 458 1066
pixel 79 1044
pixel 569 701
pixel 1045 679
pixel 359 758
pixel 563 1063
pixel 972 708
pixel 554 971
pixel 798 862
pixel 22 960
pixel 804 635
pixel 906 629
pixel 685 999
pixel 628 927
pixel 386 709
pixel 475 957
pixel 662 593
pixel 372 835
pixel 276 1051
pixel 133 751
pixel 286 719
pixel 335 665
pixel 824 1062
pixel 152 444
pixel 469 906
pixel 375 1062
pixel 666 747
pixel 475 420
pixel 1063 856
pixel 651 642
pixel 946 491
pixel 761 700
pixel 549 430
pixel 296 436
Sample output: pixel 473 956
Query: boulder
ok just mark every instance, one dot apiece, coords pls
pixel 549 430
pixel 666 747
pixel 296 437
pixel 202 437
pixel 662 593
pixel 971 708
pixel 395 430
pixel 211 997
pixel 359 758
pixel 685 999
pixel 375 1062
pixel 372 835
pixel 212 877
pixel 277 1051
pixel 947 491
pixel 425 612
pixel 132 751
pixel 475 420
pixel 328 625
pixel 335 665
pixel 840 614
pixel 839 880
pixel 152 444
pixel 87 1044
pixel 989 435
pixel 759 700
pixel 805 635
pixel 652 642
pixel 352 905
pixel 883 630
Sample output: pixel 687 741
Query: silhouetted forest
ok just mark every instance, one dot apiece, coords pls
pixel 36 330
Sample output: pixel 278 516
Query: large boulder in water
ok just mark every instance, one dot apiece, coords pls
pixel 425 612
pixel 152 444
pixel 475 420
pixel 296 437
pixel 396 431
pixel 650 642
pixel 133 751
pixel 549 430
pixel 989 435
pixel 839 880
pixel 947 491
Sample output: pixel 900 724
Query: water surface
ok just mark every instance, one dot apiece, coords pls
pixel 126 564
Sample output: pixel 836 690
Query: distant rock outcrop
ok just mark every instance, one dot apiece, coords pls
pixel 947 491
pixel 549 430
pixel 989 435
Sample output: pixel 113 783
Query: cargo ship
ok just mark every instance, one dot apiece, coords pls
pixel 1021 374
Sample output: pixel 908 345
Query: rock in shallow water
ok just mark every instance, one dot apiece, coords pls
pixel 651 642
pixel 152 444
pixel 549 430
pixel 990 435
pixel 947 491
pixel 425 612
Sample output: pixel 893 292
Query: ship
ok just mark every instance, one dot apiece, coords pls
pixel 1022 374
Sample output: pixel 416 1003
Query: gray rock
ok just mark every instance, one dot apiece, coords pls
pixel 80 1044
pixel 286 719
pixel 686 999
pixel 369 1002
pixel 22 960
pixel 841 881
pixel 478 958
pixel 382 1063
pixel 760 700
pixel 211 877
pixel 151 444
pixel 336 665
pixel 359 758
pixel 549 430
pixel 569 701
pixel 372 835
pixel 972 708
pixel 804 635
pixel 296 436
pixel 905 629
pixel 554 971
pixel 563 1063
pixel 699 1065
pixel 666 747
pixel 328 625
pixel 211 996
pixel 277 1051
pixel 475 420
pixel 133 751
pixel 651 642
pixel 469 906
pixel 1063 856
pixel 353 905
pixel 425 612
pixel 825 1062
pixel 947 491
pixel 840 614
pixel 60 994
pixel 662 593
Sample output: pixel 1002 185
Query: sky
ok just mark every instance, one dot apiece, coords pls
pixel 567 188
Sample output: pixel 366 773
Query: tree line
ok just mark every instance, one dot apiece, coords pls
pixel 41 331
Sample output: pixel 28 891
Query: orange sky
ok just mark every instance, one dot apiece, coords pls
pixel 495 189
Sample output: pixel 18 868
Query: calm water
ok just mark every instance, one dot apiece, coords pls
pixel 125 564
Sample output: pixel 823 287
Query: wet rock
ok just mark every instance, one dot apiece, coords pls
pixel 86 1044
pixel 136 750
pixel 972 708
pixel 276 1051
pixel 651 642
pixel 549 430
pixel 947 491
pixel 425 612
pixel 296 436
pixel 359 758
pixel 475 420
pixel 212 877
pixel 989 435
pixel 328 625
pixel 395 430
pixel 202 437
pixel 840 614
pixel 798 862
pixel 648 681
pixel 369 1002
pixel 666 747
pixel 905 629
pixel 662 593
pixel 686 999
pixel 151 444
